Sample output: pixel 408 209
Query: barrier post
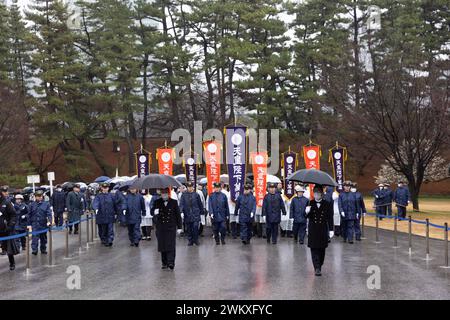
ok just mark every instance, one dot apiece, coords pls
pixel 92 227
pixel 79 236
pixel 87 231
pixel 446 266
pixel 66 222
pixel 377 239
pixel 50 246
pixel 428 239
pixel 362 226
pixel 395 233
pixel 28 261
pixel 95 227
pixel 410 235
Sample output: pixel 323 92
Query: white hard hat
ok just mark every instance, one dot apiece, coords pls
pixel 299 189
pixel 19 196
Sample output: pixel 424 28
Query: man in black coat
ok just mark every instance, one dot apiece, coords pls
pixel 168 222
pixel 58 202
pixel 7 225
pixel 320 227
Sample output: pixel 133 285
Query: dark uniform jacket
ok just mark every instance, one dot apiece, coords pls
pixel 135 208
pixel 192 207
pixel 245 205
pixel 7 218
pixel 76 205
pixel 320 224
pixel 167 222
pixel 106 204
pixel 402 196
pixel 21 211
pixel 273 205
pixel 58 201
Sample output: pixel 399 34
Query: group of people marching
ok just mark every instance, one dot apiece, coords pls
pixel 187 212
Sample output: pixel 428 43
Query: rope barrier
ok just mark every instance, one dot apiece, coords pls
pixel 35 233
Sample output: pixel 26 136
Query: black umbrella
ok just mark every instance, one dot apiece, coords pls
pixel 155 181
pixel 313 176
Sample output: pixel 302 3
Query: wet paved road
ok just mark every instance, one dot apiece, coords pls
pixel 258 271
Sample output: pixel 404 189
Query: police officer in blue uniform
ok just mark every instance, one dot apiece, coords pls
pixel 135 209
pixel 58 202
pixel 273 206
pixel 106 207
pixel 402 198
pixel 380 201
pixel 21 220
pixel 389 198
pixel 40 218
pixel 191 207
pixel 361 212
pixel 219 212
pixel 76 206
pixel 245 208
pixel 348 207
pixel 298 213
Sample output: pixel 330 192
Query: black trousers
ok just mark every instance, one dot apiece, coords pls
pixel 318 256
pixel 146 231
pixel 168 258
pixel 76 228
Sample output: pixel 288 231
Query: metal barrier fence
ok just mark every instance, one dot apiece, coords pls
pixel 92 235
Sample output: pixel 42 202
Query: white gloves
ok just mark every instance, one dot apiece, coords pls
pixel 1 214
pixel 308 209
pixel 49 224
pixel 212 216
pixel 23 217
pixel 156 212
pixel 364 214
pixel 96 211
pixel 357 216
pixel 376 196
pixel 251 215
pixel 331 234
pixel 179 231
pixel 343 214
pixel 182 215
pixel 124 212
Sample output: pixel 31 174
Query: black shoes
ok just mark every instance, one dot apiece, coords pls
pixel 171 266
pixel 43 252
pixel 244 242
pixel 197 243
pixel 350 242
pixel 318 273
pixel 223 242
pixel 34 253
pixel 217 243
pixel 164 267
pixel 133 245
pixel 190 244
pixel 301 242
pixel 12 266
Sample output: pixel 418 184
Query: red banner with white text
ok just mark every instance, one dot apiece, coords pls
pixel 259 163
pixel 212 159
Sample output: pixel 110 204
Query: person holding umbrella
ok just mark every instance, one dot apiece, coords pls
pixel 320 227
pixel 168 222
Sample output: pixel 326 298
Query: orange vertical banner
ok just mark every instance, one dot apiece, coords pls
pixel 212 159
pixel 259 163
pixel 165 158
